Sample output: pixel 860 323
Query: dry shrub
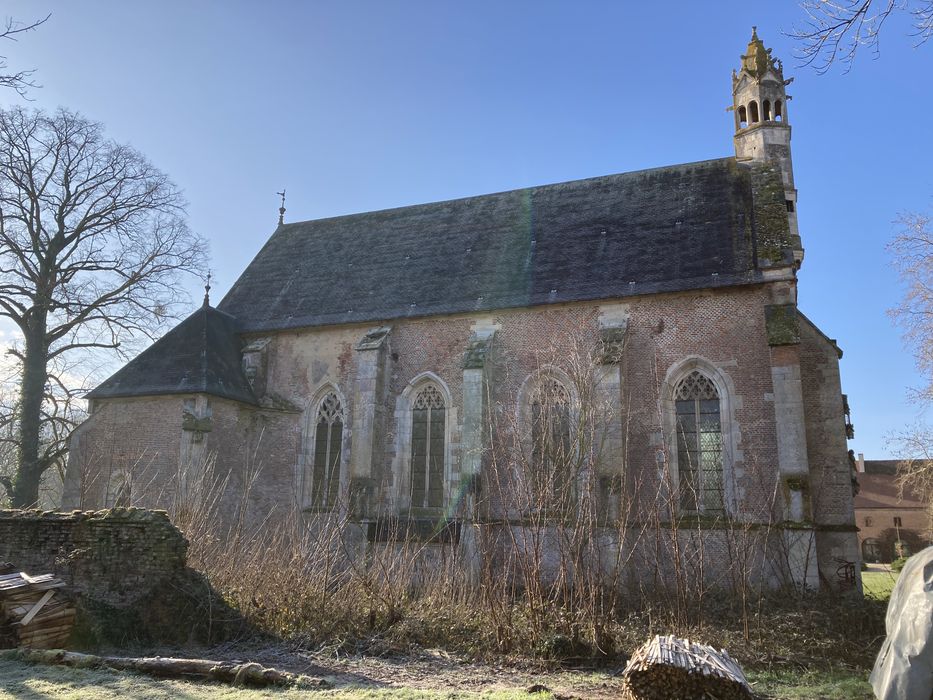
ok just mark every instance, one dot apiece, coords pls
pixel 546 587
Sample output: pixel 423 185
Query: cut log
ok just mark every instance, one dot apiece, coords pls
pixel 204 669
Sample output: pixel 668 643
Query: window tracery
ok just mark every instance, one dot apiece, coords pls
pixel 552 449
pixel 328 445
pixel 699 444
pixel 428 448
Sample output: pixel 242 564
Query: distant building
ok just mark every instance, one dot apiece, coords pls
pixel 884 517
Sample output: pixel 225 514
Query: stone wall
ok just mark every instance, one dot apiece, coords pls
pixel 126 569
pixel 262 453
pixel 135 440
pixel 831 488
pixel 113 556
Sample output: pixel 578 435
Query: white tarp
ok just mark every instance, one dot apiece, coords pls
pixel 904 667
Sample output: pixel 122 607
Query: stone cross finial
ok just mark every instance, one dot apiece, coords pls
pixel 282 208
pixel 207 290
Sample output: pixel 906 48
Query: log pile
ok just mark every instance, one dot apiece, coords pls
pixel 668 667
pixel 34 613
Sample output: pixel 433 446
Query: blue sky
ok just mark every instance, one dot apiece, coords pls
pixel 355 106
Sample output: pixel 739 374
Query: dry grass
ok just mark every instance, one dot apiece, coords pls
pixel 299 579
pixel 313 581
pixel 28 682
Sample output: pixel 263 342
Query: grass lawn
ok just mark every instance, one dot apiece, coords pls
pixel 24 681
pixel 878 584
pixel 811 685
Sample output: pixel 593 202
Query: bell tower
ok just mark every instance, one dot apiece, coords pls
pixel 762 130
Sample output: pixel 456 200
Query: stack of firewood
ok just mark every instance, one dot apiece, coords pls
pixel 34 612
pixel 668 667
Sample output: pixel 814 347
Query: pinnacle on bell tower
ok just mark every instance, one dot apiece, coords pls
pixel 762 131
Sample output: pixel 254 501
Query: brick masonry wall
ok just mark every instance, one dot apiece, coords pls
pixel 873 523
pixel 830 470
pixel 113 556
pixel 259 449
pixel 725 327
pixel 247 451
pixel 139 437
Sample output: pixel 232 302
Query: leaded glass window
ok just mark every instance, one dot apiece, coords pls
pixel 427 448
pixel 699 445
pixel 328 442
pixel 552 451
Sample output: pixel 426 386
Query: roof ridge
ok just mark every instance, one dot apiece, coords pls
pixel 545 185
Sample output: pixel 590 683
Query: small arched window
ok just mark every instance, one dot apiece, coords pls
pixel 325 462
pixel 428 448
pixel 743 117
pixel 699 445
pixel 778 113
pixel 552 450
pixel 753 111
pixel 766 108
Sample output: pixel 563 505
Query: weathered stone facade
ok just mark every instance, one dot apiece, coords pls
pixel 436 394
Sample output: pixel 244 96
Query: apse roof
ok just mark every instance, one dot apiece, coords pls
pixel 199 355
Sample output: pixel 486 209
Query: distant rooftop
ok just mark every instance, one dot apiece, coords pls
pixel 878 487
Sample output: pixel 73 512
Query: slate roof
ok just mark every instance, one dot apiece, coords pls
pixel 200 354
pixel 880 490
pixel 668 229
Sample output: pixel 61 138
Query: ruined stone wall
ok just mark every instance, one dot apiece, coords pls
pixel 112 556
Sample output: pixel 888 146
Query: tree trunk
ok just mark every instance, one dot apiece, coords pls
pixel 32 393
pixel 188 669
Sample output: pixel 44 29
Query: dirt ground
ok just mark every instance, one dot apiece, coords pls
pixel 434 670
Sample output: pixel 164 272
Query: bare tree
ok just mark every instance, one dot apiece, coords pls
pixel 914 445
pixel 62 411
pixel 22 80
pixel 836 29
pixel 912 254
pixel 92 242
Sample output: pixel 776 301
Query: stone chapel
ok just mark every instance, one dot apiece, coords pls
pixel 627 345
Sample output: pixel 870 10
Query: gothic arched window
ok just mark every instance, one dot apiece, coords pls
pixel 699 445
pixel 552 449
pixel 753 111
pixel 325 463
pixel 428 447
